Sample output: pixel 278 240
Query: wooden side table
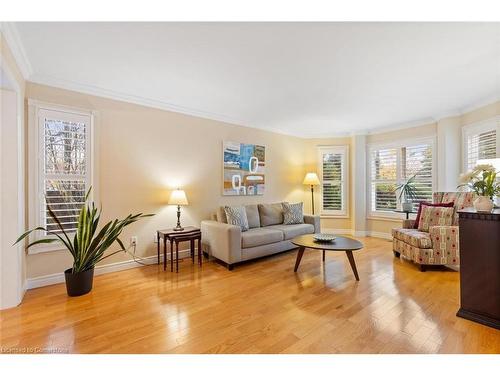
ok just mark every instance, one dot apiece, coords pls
pixel 169 235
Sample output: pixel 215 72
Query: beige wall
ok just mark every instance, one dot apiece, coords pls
pixel 144 153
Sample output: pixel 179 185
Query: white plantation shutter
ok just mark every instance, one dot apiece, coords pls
pixel 480 145
pixel 384 179
pixel 333 172
pixel 391 166
pixel 64 166
pixel 417 161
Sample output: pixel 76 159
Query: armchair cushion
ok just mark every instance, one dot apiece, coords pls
pixel 432 216
pixel 413 237
pixel 445 242
pixel 420 206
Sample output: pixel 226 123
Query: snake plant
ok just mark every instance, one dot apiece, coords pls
pixel 88 244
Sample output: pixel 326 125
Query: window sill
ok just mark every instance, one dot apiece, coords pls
pixel 334 216
pixel 391 218
pixel 45 249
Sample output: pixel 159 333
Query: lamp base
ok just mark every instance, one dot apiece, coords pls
pixel 178 229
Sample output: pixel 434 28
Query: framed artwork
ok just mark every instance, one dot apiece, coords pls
pixel 243 169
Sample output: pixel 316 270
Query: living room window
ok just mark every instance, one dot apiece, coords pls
pixel 481 141
pixel 393 164
pixel 333 167
pixel 62 163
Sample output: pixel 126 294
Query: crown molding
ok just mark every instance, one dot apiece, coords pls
pixel 146 102
pixel 481 103
pixel 9 31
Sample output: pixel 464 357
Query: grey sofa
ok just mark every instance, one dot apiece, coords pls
pixel 267 234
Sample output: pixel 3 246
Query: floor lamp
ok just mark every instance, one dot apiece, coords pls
pixel 312 180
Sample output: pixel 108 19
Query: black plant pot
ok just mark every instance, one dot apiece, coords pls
pixel 80 283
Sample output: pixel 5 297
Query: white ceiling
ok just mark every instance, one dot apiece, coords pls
pixel 305 79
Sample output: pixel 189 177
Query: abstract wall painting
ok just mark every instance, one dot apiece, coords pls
pixel 243 169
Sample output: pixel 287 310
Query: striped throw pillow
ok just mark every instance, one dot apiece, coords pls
pixel 237 215
pixel 293 213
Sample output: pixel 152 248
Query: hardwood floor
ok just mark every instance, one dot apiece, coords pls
pixel 260 307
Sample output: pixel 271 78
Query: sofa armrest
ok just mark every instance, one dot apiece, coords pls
pixel 445 242
pixel 408 223
pixel 314 220
pixel 222 240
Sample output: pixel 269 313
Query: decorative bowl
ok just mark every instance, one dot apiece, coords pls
pixel 324 237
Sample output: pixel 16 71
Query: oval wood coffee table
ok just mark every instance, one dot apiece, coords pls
pixel 339 244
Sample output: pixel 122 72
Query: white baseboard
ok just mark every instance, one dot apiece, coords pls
pixel 58 278
pixel 385 236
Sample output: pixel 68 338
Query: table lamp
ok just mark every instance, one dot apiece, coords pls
pixel 178 198
pixel 311 179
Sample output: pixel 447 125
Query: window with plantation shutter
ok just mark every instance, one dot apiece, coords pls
pixel 62 164
pixel 332 168
pixel 481 141
pixel 392 165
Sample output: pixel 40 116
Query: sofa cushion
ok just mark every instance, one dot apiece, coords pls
pixel 221 215
pixel 270 214
pixel 260 236
pixel 293 230
pixel 237 215
pixel 293 213
pixel 253 215
pixel 432 216
pixel 413 237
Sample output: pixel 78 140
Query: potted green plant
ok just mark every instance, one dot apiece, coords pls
pixel 408 191
pixel 88 245
pixel 482 180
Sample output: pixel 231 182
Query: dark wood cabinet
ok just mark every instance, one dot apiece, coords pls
pixel 480 266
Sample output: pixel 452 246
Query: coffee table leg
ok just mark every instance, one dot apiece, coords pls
pixel 323 256
pixel 299 258
pixel 353 264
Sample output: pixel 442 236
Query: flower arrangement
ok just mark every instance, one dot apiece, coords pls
pixel 482 180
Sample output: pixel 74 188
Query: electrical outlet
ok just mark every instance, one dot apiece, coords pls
pixel 155 238
pixel 133 241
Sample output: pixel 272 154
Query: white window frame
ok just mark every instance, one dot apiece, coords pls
pixel 344 151
pixel 374 214
pixel 36 164
pixel 475 129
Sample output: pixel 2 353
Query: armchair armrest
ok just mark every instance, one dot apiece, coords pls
pixel 445 242
pixel 408 223
pixel 314 220
pixel 222 240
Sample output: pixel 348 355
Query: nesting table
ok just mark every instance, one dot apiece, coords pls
pixel 191 234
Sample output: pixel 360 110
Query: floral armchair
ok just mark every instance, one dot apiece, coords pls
pixel 439 246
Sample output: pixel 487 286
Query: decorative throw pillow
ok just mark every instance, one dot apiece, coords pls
pixel 432 216
pixel 237 216
pixel 293 213
pixel 419 212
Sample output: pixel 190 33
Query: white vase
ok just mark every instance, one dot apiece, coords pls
pixel 483 204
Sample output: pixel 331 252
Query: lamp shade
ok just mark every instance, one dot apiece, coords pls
pixel 311 179
pixel 178 198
